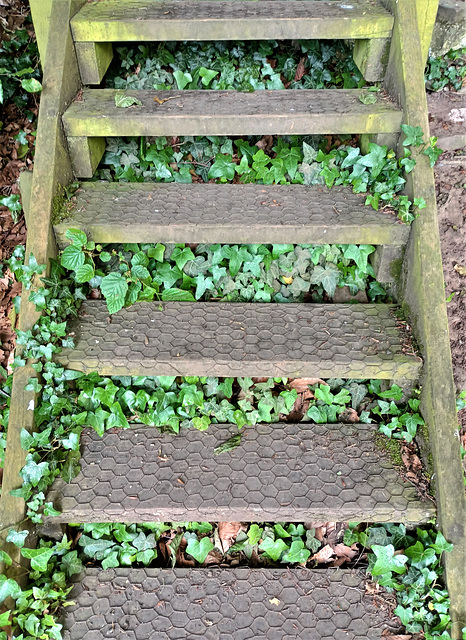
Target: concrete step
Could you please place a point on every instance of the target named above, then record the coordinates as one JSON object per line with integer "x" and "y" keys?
{"x": 240, "y": 339}
{"x": 280, "y": 472}
{"x": 227, "y": 213}
{"x": 223, "y": 604}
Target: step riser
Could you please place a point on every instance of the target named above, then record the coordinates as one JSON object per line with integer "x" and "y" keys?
{"x": 211, "y": 234}
{"x": 280, "y": 472}
{"x": 236, "y": 125}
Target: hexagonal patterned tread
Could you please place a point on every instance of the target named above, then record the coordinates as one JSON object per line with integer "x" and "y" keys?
{"x": 223, "y": 604}
{"x": 231, "y": 113}
{"x": 138, "y": 20}
{"x": 235, "y": 339}
{"x": 211, "y": 213}
{"x": 280, "y": 472}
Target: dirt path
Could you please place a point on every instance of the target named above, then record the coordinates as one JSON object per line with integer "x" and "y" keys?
{"x": 448, "y": 121}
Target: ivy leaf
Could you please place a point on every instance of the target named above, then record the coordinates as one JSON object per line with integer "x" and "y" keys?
{"x": 387, "y": 561}
{"x": 5, "y": 558}
{"x": 222, "y": 168}
{"x": 18, "y": 538}
{"x": 111, "y": 560}
{"x": 207, "y": 75}
{"x": 254, "y": 534}
{"x": 31, "y": 85}
{"x": 72, "y": 441}
{"x": 71, "y": 564}
{"x": 414, "y": 136}
{"x": 182, "y": 79}
{"x": 95, "y": 548}
{"x": 33, "y": 472}
{"x": 39, "y": 558}
{"x": 375, "y": 159}
{"x": 327, "y": 276}
{"x": 50, "y": 511}
{"x": 420, "y": 557}
{"x": 124, "y": 102}
{"x": 199, "y": 549}
{"x": 117, "y": 418}
{"x": 140, "y": 272}
{"x": 441, "y": 544}
{"x": 8, "y": 587}
{"x": 296, "y": 553}
{"x": 368, "y": 98}
{"x": 202, "y": 285}
{"x": 273, "y": 548}
{"x": 5, "y": 619}
{"x": 157, "y": 252}
{"x": 71, "y": 466}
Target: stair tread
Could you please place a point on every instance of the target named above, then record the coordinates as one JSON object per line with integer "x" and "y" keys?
{"x": 138, "y": 20}
{"x": 226, "y": 604}
{"x": 280, "y": 472}
{"x": 238, "y": 213}
{"x": 319, "y": 111}
{"x": 240, "y": 339}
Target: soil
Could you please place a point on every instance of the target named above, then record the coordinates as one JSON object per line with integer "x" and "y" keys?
{"x": 450, "y": 177}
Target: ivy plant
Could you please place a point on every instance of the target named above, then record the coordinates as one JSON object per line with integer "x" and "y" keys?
{"x": 409, "y": 564}
{"x": 447, "y": 71}
{"x": 244, "y": 66}
{"x": 237, "y": 273}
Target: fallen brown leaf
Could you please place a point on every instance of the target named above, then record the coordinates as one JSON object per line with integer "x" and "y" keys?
{"x": 345, "y": 551}
{"x": 302, "y": 384}
{"x": 227, "y": 532}
{"x": 300, "y": 70}
{"x": 349, "y": 415}
{"x": 323, "y": 555}
{"x": 213, "y": 557}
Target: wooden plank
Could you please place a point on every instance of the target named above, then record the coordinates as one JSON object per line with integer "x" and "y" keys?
{"x": 94, "y": 59}
{"x": 138, "y": 20}
{"x": 51, "y": 168}
{"x": 424, "y": 294}
{"x": 230, "y": 113}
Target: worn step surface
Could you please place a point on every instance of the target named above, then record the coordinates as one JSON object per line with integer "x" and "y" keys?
{"x": 280, "y": 472}
{"x": 211, "y": 213}
{"x": 236, "y": 339}
{"x": 223, "y": 604}
{"x": 198, "y": 113}
{"x": 139, "y": 20}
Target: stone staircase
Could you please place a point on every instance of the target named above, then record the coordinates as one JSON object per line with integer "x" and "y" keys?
{"x": 281, "y": 472}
